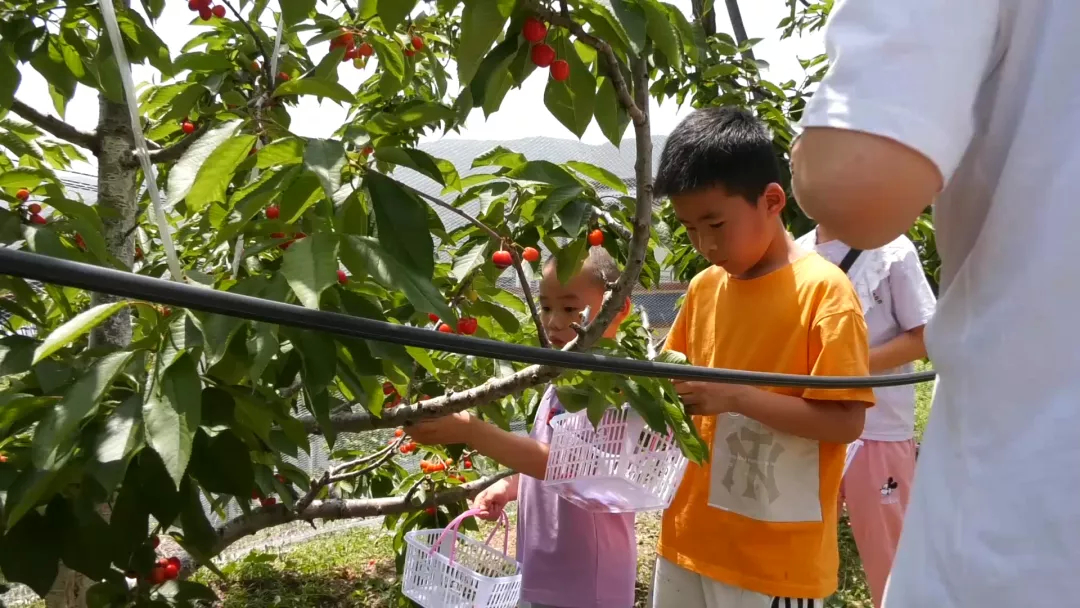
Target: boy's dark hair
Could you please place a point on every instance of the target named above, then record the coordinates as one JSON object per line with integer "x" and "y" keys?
{"x": 598, "y": 265}
{"x": 724, "y": 146}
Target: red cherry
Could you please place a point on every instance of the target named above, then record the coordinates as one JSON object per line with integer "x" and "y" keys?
{"x": 3, "y": 458}
{"x": 34, "y": 208}
{"x": 467, "y": 326}
{"x": 37, "y": 219}
{"x": 138, "y": 252}
{"x": 434, "y": 318}
{"x": 193, "y": 5}
{"x": 206, "y": 14}
{"x": 543, "y": 55}
{"x": 22, "y": 194}
{"x": 530, "y": 255}
{"x": 172, "y": 572}
{"x": 219, "y": 11}
{"x": 272, "y": 213}
{"x": 560, "y": 70}
{"x": 286, "y": 244}
{"x": 187, "y": 127}
{"x": 446, "y": 329}
{"x": 430, "y": 510}
{"x": 365, "y": 50}
{"x": 425, "y": 467}
{"x": 347, "y": 40}
{"x": 349, "y": 54}
{"x": 409, "y": 52}
{"x": 399, "y": 432}
{"x": 166, "y": 312}
{"x": 80, "y": 242}
{"x": 596, "y": 238}
{"x": 534, "y": 30}
{"x": 417, "y": 42}
{"x": 466, "y": 463}
{"x": 342, "y": 278}
{"x": 282, "y": 76}
{"x": 175, "y": 561}
{"x": 158, "y": 575}
{"x": 388, "y": 388}
{"x": 280, "y": 477}
{"x": 367, "y": 151}
{"x": 254, "y": 66}
{"x": 502, "y": 259}
{"x": 155, "y": 542}
{"x": 268, "y": 502}
{"x": 255, "y": 494}
{"x": 300, "y": 235}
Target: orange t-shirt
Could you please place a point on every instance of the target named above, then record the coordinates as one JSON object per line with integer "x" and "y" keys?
{"x": 761, "y": 514}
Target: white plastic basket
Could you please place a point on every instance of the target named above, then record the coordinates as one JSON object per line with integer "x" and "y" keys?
{"x": 461, "y": 573}
{"x": 620, "y": 466}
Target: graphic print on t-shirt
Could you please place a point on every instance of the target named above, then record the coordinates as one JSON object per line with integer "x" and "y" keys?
{"x": 763, "y": 474}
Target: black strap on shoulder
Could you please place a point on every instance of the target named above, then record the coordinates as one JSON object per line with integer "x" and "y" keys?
{"x": 849, "y": 259}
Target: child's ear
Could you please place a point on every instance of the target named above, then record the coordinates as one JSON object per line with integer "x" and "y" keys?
{"x": 774, "y": 198}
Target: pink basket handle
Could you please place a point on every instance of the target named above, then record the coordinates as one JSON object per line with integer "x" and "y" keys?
{"x": 453, "y": 526}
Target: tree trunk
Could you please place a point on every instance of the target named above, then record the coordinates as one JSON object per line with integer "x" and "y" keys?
{"x": 116, "y": 192}
{"x": 735, "y": 15}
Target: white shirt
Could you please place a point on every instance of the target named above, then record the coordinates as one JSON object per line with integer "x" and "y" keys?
{"x": 896, "y": 298}
{"x": 988, "y": 90}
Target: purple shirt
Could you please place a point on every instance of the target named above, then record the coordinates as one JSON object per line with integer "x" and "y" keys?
{"x": 570, "y": 557}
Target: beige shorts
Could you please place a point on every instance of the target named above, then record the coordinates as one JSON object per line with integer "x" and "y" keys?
{"x": 676, "y": 587}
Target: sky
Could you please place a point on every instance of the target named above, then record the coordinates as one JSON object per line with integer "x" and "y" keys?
{"x": 522, "y": 114}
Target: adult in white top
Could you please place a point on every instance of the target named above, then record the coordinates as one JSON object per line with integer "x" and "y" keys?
{"x": 976, "y": 103}
{"x": 897, "y": 302}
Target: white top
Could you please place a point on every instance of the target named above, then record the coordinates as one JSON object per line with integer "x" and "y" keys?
{"x": 896, "y": 298}
{"x": 989, "y": 90}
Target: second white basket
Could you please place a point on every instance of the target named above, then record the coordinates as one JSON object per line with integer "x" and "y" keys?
{"x": 620, "y": 466}
{"x": 444, "y": 569}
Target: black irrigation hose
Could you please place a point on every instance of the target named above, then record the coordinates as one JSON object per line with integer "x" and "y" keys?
{"x": 125, "y": 284}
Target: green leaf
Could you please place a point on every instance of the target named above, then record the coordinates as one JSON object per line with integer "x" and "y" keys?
{"x": 302, "y": 193}
{"x": 671, "y": 356}
{"x": 402, "y": 220}
{"x": 311, "y": 267}
{"x": 546, "y": 172}
{"x": 318, "y": 404}
{"x": 499, "y": 157}
{"x": 386, "y": 270}
{"x": 172, "y": 414}
{"x": 568, "y": 260}
{"x": 422, "y": 357}
{"x": 182, "y": 175}
{"x": 200, "y": 61}
{"x": 598, "y": 174}
{"x": 30, "y": 553}
{"x": 216, "y": 173}
{"x": 720, "y": 69}
{"x": 325, "y": 158}
{"x": 572, "y": 100}
{"x": 610, "y": 115}
{"x": 393, "y": 12}
{"x": 505, "y": 318}
{"x": 421, "y": 162}
{"x": 391, "y": 59}
{"x": 662, "y": 31}
{"x": 467, "y": 261}
{"x": 408, "y": 117}
{"x": 117, "y": 443}
{"x": 482, "y": 22}
{"x": 295, "y": 11}
{"x": 57, "y": 432}
{"x": 73, "y": 329}
{"x": 632, "y": 19}
{"x": 18, "y": 410}
{"x": 320, "y": 87}
{"x": 199, "y": 535}
{"x": 87, "y": 545}
{"x": 9, "y": 80}
{"x": 222, "y": 464}
{"x": 574, "y": 216}
{"x": 288, "y": 151}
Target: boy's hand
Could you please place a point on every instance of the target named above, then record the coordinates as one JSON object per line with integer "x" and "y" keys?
{"x": 709, "y": 398}
{"x": 442, "y": 431}
{"x": 491, "y": 502}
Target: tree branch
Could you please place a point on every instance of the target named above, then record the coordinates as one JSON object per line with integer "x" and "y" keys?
{"x": 636, "y": 110}
{"x": 541, "y": 334}
{"x": 57, "y": 127}
{"x": 258, "y": 42}
{"x": 267, "y": 517}
{"x": 170, "y": 153}
{"x": 735, "y": 16}
{"x": 445, "y": 205}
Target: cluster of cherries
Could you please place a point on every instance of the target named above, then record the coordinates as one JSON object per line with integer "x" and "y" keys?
{"x": 206, "y": 9}
{"x": 542, "y": 54}
{"x": 165, "y": 569}
{"x": 33, "y": 208}
{"x": 267, "y": 501}
{"x": 504, "y": 259}
{"x": 466, "y": 326}
{"x": 347, "y": 41}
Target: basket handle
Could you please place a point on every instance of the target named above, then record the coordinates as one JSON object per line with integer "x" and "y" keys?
{"x": 453, "y": 526}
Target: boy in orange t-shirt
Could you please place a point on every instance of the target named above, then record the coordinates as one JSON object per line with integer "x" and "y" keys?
{"x": 755, "y": 527}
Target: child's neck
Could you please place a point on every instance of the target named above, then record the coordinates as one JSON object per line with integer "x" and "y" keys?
{"x": 781, "y": 252}
{"x": 823, "y": 236}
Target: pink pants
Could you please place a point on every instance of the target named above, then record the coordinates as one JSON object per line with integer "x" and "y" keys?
{"x": 877, "y": 488}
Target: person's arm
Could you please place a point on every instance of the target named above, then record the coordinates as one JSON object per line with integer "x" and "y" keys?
{"x": 831, "y": 421}
{"x": 901, "y": 350}
{"x": 518, "y": 452}
{"x": 892, "y": 118}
